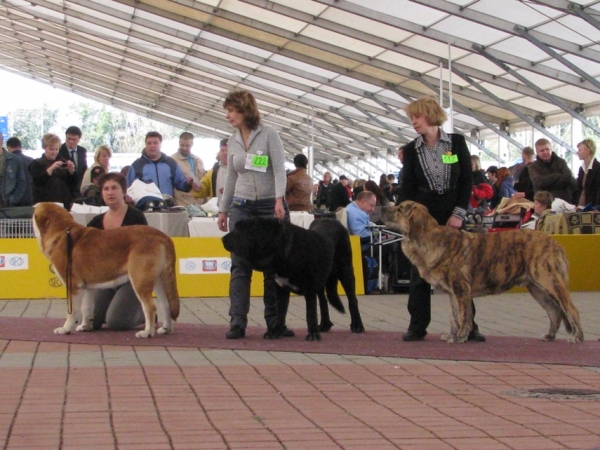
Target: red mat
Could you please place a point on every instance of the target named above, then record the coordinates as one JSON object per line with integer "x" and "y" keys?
{"x": 341, "y": 342}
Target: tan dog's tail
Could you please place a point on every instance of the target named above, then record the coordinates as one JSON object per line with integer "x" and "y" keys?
{"x": 169, "y": 282}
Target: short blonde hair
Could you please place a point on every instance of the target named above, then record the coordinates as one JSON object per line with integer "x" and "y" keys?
{"x": 429, "y": 108}
{"x": 475, "y": 160}
{"x": 50, "y": 138}
{"x": 99, "y": 150}
{"x": 591, "y": 145}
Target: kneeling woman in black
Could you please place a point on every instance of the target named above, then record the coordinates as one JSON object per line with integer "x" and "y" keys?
{"x": 118, "y": 307}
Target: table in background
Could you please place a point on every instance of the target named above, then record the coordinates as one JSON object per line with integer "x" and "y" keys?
{"x": 207, "y": 226}
{"x": 174, "y": 224}
{"x": 204, "y": 227}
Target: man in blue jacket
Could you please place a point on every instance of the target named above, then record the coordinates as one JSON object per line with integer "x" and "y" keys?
{"x": 13, "y": 181}
{"x": 158, "y": 168}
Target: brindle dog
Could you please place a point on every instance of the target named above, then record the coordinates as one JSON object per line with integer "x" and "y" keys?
{"x": 467, "y": 265}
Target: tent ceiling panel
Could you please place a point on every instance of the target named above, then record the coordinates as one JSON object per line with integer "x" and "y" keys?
{"x": 351, "y": 65}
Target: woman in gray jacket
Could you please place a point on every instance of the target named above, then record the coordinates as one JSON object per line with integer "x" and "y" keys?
{"x": 255, "y": 187}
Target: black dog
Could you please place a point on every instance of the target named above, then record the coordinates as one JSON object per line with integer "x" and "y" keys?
{"x": 341, "y": 271}
{"x": 302, "y": 259}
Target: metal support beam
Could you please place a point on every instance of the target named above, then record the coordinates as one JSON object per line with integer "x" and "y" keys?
{"x": 508, "y": 106}
{"x": 541, "y": 45}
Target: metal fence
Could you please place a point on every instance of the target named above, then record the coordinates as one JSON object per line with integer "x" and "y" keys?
{"x": 16, "y": 228}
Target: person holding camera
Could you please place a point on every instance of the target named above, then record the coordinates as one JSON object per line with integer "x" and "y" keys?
{"x": 53, "y": 178}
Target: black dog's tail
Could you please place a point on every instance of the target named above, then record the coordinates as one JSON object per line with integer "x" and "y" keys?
{"x": 332, "y": 298}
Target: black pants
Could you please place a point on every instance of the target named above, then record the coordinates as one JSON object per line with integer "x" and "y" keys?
{"x": 419, "y": 304}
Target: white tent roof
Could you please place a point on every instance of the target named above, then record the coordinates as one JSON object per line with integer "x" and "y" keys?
{"x": 340, "y": 71}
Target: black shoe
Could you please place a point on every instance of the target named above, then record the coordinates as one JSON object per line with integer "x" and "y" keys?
{"x": 411, "y": 336}
{"x": 287, "y": 332}
{"x": 476, "y": 336}
{"x": 236, "y": 332}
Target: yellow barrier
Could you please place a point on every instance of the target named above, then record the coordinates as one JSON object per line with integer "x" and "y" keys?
{"x": 202, "y": 270}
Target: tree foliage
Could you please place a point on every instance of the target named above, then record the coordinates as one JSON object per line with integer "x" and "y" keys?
{"x": 26, "y": 125}
{"x": 123, "y": 132}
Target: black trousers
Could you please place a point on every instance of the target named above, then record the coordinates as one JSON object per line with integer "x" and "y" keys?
{"x": 419, "y": 304}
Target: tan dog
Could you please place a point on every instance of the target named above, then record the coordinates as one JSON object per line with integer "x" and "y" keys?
{"x": 467, "y": 265}
{"x": 106, "y": 259}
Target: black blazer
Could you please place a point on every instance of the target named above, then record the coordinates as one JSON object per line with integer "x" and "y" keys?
{"x": 81, "y": 164}
{"x": 592, "y": 184}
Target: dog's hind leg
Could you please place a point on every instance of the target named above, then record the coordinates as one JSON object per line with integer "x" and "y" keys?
{"x": 312, "y": 320}
{"x": 554, "y": 297}
{"x": 142, "y": 283}
{"x": 326, "y": 323}
{"x": 164, "y": 311}
{"x": 349, "y": 284}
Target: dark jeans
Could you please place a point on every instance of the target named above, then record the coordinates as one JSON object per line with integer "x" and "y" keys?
{"x": 241, "y": 273}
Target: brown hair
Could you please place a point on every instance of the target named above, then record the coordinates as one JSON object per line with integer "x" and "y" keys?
{"x": 429, "y": 108}
{"x": 244, "y": 103}
{"x": 113, "y": 176}
{"x": 503, "y": 172}
{"x": 544, "y": 198}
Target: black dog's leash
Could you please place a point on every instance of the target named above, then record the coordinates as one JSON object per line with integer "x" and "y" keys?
{"x": 69, "y": 270}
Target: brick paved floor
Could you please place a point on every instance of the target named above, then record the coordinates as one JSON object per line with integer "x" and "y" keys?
{"x": 71, "y": 396}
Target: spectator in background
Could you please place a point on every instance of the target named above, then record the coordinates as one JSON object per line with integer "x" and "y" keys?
{"x": 481, "y": 191}
{"x": 492, "y": 175}
{"x": 396, "y": 190}
{"x": 71, "y": 150}
{"x": 191, "y": 166}
{"x": 158, "y": 168}
{"x": 13, "y": 145}
{"x": 542, "y": 207}
{"x": 382, "y": 200}
{"x": 325, "y": 185}
{"x": 53, "y": 178}
{"x": 588, "y": 178}
{"x": 13, "y": 181}
{"x": 338, "y": 195}
{"x": 358, "y": 217}
{"x": 213, "y": 182}
{"x": 520, "y": 174}
{"x": 102, "y": 157}
{"x": 299, "y": 185}
{"x": 504, "y": 186}
{"x": 527, "y": 158}
{"x": 357, "y": 187}
{"x": 549, "y": 172}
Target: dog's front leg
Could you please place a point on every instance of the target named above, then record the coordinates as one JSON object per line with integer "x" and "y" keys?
{"x": 311, "y": 317}
{"x": 72, "y": 316}
{"x": 461, "y": 319}
{"x": 87, "y": 311}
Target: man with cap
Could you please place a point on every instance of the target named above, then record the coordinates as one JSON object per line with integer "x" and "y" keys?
{"x": 338, "y": 195}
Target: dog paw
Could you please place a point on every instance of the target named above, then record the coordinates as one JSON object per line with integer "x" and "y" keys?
{"x": 547, "y": 337}
{"x": 357, "y": 328}
{"x": 144, "y": 334}
{"x": 84, "y": 327}
{"x": 313, "y": 336}
{"x": 163, "y": 330}
{"x": 445, "y": 337}
{"x": 61, "y": 330}
{"x": 325, "y": 327}
{"x": 575, "y": 340}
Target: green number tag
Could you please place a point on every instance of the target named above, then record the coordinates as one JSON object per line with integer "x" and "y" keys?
{"x": 449, "y": 159}
{"x": 260, "y": 161}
